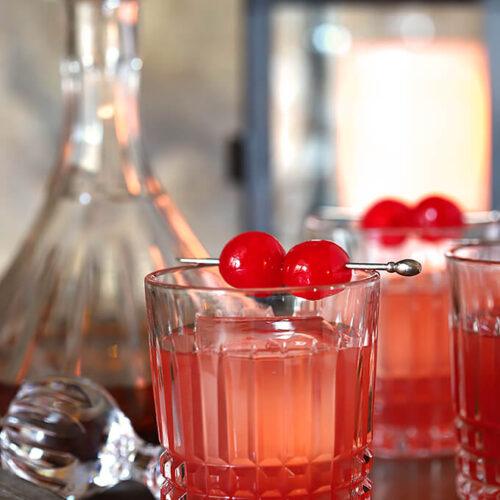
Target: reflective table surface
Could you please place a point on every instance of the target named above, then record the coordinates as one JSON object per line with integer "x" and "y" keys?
{"x": 393, "y": 480}
{"x": 414, "y": 479}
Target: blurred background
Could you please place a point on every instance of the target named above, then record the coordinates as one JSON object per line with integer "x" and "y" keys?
{"x": 190, "y": 108}
{"x": 256, "y": 113}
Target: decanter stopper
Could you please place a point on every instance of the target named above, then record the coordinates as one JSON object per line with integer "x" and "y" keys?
{"x": 68, "y": 435}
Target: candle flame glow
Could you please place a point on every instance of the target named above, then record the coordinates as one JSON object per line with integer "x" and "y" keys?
{"x": 413, "y": 119}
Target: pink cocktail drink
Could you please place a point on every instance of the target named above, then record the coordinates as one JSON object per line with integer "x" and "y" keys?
{"x": 413, "y": 400}
{"x": 477, "y": 382}
{"x": 264, "y": 416}
{"x": 475, "y": 274}
{"x": 268, "y": 406}
{"x": 413, "y": 403}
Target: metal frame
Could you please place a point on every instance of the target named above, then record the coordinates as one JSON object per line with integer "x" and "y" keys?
{"x": 256, "y": 140}
{"x": 256, "y": 162}
{"x": 492, "y": 9}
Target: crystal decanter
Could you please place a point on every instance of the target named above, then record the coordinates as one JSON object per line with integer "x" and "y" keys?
{"x": 72, "y": 301}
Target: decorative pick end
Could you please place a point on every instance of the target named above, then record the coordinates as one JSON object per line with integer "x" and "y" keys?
{"x": 405, "y": 267}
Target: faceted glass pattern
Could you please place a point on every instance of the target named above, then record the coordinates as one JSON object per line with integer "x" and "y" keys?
{"x": 263, "y": 394}
{"x": 475, "y": 285}
{"x": 413, "y": 403}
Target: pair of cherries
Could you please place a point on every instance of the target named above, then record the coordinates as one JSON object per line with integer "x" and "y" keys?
{"x": 430, "y": 215}
{"x": 258, "y": 260}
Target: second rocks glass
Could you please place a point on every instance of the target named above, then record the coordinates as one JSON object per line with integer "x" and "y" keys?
{"x": 413, "y": 403}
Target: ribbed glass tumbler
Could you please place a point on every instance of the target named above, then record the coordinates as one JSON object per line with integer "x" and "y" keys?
{"x": 475, "y": 285}
{"x": 263, "y": 393}
{"x": 413, "y": 403}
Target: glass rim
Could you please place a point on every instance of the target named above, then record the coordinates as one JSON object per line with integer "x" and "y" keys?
{"x": 453, "y": 257}
{"x": 152, "y": 280}
{"x": 346, "y": 219}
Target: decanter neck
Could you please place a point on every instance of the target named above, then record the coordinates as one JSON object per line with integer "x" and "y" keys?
{"x": 102, "y": 149}
{"x": 102, "y": 33}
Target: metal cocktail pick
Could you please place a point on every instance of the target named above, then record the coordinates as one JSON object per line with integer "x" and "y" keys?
{"x": 68, "y": 435}
{"x": 405, "y": 267}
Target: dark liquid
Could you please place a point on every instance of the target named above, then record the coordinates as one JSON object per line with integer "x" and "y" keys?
{"x": 7, "y": 392}
{"x": 136, "y": 403}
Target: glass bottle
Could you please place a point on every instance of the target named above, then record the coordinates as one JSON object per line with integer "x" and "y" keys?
{"x": 72, "y": 301}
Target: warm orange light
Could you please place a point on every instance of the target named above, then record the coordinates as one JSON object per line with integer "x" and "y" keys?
{"x": 106, "y": 111}
{"x": 128, "y": 12}
{"x": 187, "y": 242}
{"x": 413, "y": 119}
{"x": 132, "y": 181}
{"x": 156, "y": 257}
{"x": 127, "y": 115}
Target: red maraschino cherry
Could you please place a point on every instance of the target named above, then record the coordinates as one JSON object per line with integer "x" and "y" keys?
{"x": 388, "y": 213}
{"x": 252, "y": 260}
{"x": 436, "y": 211}
{"x": 316, "y": 263}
